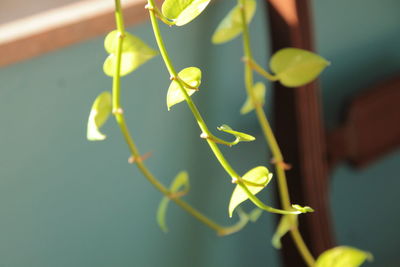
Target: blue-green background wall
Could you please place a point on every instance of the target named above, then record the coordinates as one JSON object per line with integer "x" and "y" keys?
{"x": 65, "y": 201}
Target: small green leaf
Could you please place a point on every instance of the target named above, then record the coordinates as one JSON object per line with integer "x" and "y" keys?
{"x": 285, "y": 225}
{"x": 183, "y": 11}
{"x": 302, "y": 209}
{"x": 259, "y": 175}
{"x": 134, "y": 53}
{"x": 296, "y": 67}
{"x": 99, "y": 114}
{"x": 259, "y": 92}
{"x": 343, "y": 256}
{"x": 242, "y": 137}
{"x": 181, "y": 180}
{"x": 231, "y": 26}
{"x": 192, "y": 77}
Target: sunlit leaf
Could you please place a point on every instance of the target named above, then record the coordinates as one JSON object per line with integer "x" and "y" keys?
{"x": 343, "y": 256}
{"x": 258, "y": 175}
{"x": 296, "y": 67}
{"x": 259, "y": 92}
{"x": 242, "y": 137}
{"x": 180, "y": 181}
{"x": 192, "y": 77}
{"x": 99, "y": 114}
{"x": 286, "y": 223}
{"x": 183, "y": 11}
{"x": 302, "y": 209}
{"x": 134, "y": 53}
{"x": 231, "y": 26}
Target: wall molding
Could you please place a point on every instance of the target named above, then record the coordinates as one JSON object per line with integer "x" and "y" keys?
{"x": 60, "y": 27}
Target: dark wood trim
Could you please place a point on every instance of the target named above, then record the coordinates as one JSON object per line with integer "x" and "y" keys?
{"x": 57, "y": 28}
{"x": 371, "y": 127}
{"x": 300, "y": 132}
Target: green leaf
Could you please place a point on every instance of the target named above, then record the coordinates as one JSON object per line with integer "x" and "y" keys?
{"x": 242, "y": 137}
{"x": 99, "y": 114}
{"x": 259, "y": 92}
{"x": 192, "y": 77}
{"x": 302, "y": 209}
{"x": 296, "y": 67}
{"x": 183, "y": 11}
{"x": 134, "y": 53}
{"x": 231, "y": 26}
{"x": 285, "y": 225}
{"x": 181, "y": 180}
{"x": 343, "y": 256}
{"x": 259, "y": 175}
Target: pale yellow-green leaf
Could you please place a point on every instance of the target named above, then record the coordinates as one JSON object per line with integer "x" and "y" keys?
{"x": 302, "y": 209}
{"x": 258, "y": 175}
{"x": 231, "y": 26}
{"x": 286, "y": 223}
{"x": 180, "y": 181}
{"x": 99, "y": 114}
{"x": 192, "y": 77}
{"x": 134, "y": 53}
{"x": 242, "y": 137}
{"x": 259, "y": 92}
{"x": 183, "y": 11}
{"x": 343, "y": 256}
{"x": 296, "y": 67}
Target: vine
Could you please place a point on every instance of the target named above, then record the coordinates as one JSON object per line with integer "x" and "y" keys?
{"x": 292, "y": 67}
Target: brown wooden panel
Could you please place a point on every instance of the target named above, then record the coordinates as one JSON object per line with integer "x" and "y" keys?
{"x": 300, "y": 132}
{"x": 371, "y": 127}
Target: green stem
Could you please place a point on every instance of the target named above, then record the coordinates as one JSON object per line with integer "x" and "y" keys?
{"x": 271, "y": 140}
{"x": 260, "y": 70}
{"x": 120, "y": 118}
{"x": 200, "y": 121}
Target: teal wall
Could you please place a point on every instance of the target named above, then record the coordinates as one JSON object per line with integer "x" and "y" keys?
{"x": 65, "y": 201}
{"x": 362, "y": 39}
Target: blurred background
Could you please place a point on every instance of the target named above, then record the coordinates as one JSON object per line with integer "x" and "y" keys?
{"x": 65, "y": 201}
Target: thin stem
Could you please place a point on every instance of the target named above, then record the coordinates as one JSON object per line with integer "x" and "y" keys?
{"x": 271, "y": 140}
{"x": 260, "y": 70}
{"x": 120, "y": 118}
{"x": 200, "y": 121}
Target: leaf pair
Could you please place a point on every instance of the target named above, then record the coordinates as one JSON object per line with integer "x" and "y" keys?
{"x": 258, "y": 175}
{"x": 182, "y": 12}
{"x": 134, "y": 53}
{"x": 180, "y": 181}
{"x": 189, "y": 77}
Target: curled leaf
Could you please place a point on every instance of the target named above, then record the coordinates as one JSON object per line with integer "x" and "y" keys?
{"x": 343, "y": 256}
{"x": 101, "y": 110}
{"x": 241, "y": 137}
{"x": 134, "y": 53}
{"x": 258, "y": 175}
{"x": 302, "y": 209}
{"x": 183, "y": 11}
{"x": 296, "y": 67}
{"x": 231, "y": 26}
{"x": 192, "y": 77}
{"x": 180, "y": 181}
{"x": 286, "y": 223}
{"x": 259, "y": 92}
